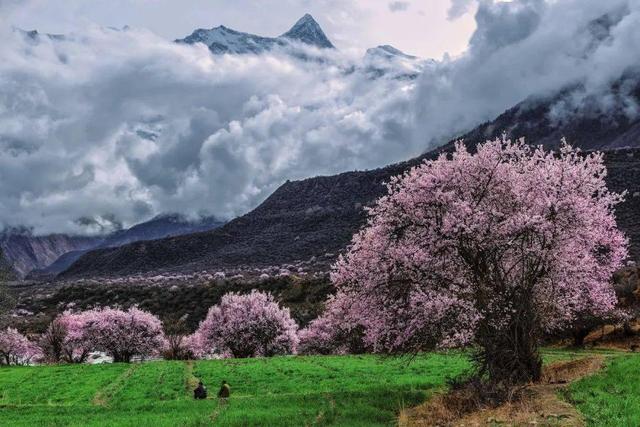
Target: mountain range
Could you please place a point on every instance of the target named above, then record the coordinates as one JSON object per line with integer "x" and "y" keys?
{"x": 316, "y": 217}
{"x": 221, "y": 40}
{"x": 44, "y": 256}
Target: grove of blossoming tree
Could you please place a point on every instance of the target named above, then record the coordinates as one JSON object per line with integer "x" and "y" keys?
{"x": 121, "y": 334}
{"x": 247, "y": 326}
{"x": 490, "y": 249}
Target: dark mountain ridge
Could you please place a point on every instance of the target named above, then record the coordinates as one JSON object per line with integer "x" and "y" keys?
{"x": 42, "y": 256}
{"x": 157, "y": 228}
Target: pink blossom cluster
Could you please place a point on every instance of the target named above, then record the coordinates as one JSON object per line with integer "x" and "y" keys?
{"x": 66, "y": 339}
{"x": 16, "y": 349}
{"x": 121, "y": 334}
{"x": 246, "y": 326}
{"x": 336, "y": 331}
{"x": 470, "y": 241}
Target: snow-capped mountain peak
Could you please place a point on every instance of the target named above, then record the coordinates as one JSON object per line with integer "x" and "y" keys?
{"x": 387, "y": 61}
{"x": 308, "y": 31}
{"x": 388, "y": 51}
{"x": 222, "y": 39}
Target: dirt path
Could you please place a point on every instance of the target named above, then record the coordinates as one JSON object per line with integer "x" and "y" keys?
{"x": 104, "y": 395}
{"x": 190, "y": 381}
{"x": 541, "y": 405}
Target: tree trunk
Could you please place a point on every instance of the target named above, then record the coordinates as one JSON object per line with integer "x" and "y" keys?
{"x": 628, "y": 331}
{"x": 509, "y": 356}
{"x": 578, "y": 337}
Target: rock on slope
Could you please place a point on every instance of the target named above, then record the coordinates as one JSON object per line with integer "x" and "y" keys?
{"x": 25, "y": 252}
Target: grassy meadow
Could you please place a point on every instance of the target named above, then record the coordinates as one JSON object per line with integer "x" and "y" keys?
{"x": 280, "y": 391}
{"x": 610, "y": 398}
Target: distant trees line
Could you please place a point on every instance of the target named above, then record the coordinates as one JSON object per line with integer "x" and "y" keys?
{"x": 249, "y": 325}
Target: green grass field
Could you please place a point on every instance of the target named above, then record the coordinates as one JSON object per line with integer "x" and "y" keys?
{"x": 281, "y": 391}
{"x": 612, "y": 396}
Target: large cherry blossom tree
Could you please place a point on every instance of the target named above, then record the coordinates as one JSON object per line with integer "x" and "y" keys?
{"x": 491, "y": 248}
{"x": 247, "y": 326}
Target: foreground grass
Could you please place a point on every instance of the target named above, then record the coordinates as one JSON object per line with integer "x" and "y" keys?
{"x": 282, "y": 391}
{"x": 611, "y": 397}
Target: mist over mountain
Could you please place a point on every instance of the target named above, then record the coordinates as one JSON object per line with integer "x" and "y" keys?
{"x": 310, "y": 218}
{"x": 155, "y": 126}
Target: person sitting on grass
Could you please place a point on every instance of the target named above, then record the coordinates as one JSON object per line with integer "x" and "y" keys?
{"x": 200, "y": 392}
{"x": 225, "y": 390}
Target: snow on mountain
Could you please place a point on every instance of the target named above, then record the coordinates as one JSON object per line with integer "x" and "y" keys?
{"x": 308, "y": 31}
{"x": 221, "y": 39}
{"x": 382, "y": 61}
{"x": 390, "y": 62}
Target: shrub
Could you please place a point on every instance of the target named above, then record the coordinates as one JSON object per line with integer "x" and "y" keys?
{"x": 178, "y": 344}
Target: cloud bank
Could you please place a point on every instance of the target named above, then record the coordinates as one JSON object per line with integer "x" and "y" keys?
{"x": 113, "y": 127}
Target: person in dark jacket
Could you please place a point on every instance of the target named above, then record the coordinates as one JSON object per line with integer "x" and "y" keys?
{"x": 200, "y": 392}
{"x": 225, "y": 391}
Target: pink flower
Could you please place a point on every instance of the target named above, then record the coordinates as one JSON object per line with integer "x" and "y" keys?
{"x": 16, "y": 349}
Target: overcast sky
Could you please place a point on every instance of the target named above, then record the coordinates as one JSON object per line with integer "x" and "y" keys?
{"x": 419, "y": 27}
{"x": 105, "y": 127}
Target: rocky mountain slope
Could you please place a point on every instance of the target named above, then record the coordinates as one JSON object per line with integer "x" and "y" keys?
{"x": 25, "y": 252}
{"x": 157, "y": 228}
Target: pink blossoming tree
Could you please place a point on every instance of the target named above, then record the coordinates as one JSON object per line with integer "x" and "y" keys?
{"x": 122, "y": 334}
{"x": 16, "y": 349}
{"x": 491, "y": 249}
{"x": 247, "y": 326}
{"x": 336, "y": 331}
{"x": 65, "y": 339}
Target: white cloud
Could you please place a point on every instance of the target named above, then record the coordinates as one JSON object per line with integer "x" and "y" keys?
{"x": 399, "y": 6}
{"x": 125, "y": 124}
{"x": 121, "y": 125}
